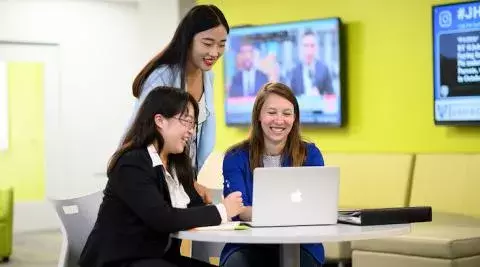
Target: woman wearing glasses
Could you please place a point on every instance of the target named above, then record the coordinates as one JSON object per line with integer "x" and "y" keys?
{"x": 186, "y": 62}
{"x": 150, "y": 192}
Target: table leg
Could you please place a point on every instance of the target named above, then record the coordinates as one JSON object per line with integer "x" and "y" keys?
{"x": 290, "y": 255}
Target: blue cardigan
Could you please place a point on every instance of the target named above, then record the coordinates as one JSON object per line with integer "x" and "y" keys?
{"x": 166, "y": 76}
{"x": 238, "y": 177}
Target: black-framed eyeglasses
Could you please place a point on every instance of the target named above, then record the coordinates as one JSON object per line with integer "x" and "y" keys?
{"x": 190, "y": 124}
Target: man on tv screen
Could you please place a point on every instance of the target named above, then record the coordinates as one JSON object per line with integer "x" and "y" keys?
{"x": 248, "y": 80}
{"x": 311, "y": 76}
{"x": 456, "y": 36}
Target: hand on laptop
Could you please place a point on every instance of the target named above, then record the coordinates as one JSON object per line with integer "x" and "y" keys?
{"x": 233, "y": 204}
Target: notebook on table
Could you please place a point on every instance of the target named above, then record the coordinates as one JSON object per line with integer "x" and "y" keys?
{"x": 382, "y": 216}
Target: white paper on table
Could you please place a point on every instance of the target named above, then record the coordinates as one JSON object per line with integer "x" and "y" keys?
{"x": 224, "y": 226}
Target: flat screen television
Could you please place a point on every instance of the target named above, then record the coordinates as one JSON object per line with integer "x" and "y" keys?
{"x": 456, "y": 62}
{"x": 305, "y": 55}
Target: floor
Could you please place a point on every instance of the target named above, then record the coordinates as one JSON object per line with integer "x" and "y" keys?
{"x": 35, "y": 249}
{"x": 41, "y": 249}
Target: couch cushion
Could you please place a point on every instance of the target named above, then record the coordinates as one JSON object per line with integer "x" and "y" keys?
{"x": 442, "y": 238}
{"x": 362, "y": 174}
{"x": 336, "y": 251}
{"x": 5, "y": 243}
{"x": 6, "y": 204}
{"x": 447, "y": 182}
{"x": 376, "y": 259}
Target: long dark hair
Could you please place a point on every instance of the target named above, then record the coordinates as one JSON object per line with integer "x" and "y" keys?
{"x": 200, "y": 18}
{"x": 168, "y": 102}
{"x": 295, "y": 148}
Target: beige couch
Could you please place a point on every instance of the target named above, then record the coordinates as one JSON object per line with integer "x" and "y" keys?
{"x": 392, "y": 172}
{"x": 362, "y": 174}
{"x": 451, "y": 185}
{"x": 448, "y": 183}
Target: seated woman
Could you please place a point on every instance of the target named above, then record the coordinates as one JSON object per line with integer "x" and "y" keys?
{"x": 274, "y": 141}
{"x": 150, "y": 192}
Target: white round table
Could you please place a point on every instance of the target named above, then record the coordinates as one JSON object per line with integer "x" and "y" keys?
{"x": 290, "y": 238}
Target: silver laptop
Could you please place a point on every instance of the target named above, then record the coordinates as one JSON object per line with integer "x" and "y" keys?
{"x": 289, "y": 196}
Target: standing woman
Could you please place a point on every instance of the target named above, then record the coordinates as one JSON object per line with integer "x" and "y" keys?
{"x": 186, "y": 63}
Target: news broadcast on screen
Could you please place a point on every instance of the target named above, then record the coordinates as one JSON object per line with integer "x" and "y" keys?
{"x": 456, "y": 41}
{"x": 305, "y": 55}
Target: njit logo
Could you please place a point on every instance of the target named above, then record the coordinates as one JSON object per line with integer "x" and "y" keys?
{"x": 445, "y": 19}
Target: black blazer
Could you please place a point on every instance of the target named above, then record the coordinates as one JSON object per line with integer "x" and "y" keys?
{"x": 136, "y": 216}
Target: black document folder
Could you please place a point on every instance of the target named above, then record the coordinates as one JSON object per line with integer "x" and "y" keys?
{"x": 385, "y": 216}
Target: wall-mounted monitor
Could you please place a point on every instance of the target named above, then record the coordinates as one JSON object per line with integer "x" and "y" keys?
{"x": 305, "y": 55}
{"x": 456, "y": 62}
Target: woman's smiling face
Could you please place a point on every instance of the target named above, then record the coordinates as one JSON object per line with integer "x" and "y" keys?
{"x": 276, "y": 118}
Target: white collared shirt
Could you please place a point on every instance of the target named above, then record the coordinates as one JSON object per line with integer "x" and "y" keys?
{"x": 202, "y": 117}
{"x": 308, "y": 74}
{"x": 178, "y": 196}
{"x": 248, "y": 77}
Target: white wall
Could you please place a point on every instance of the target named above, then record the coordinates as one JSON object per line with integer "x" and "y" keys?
{"x": 184, "y": 6}
{"x": 102, "y": 46}
{"x": 48, "y": 55}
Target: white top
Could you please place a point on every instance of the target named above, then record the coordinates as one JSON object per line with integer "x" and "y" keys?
{"x": 178, "y": 196}
{"x": 272, "y": 161}
{"x": 248, "y": 80}
{"x": 202, "y": 117}
{"x": 296, "y": 235}
{"x": 308, "y": 75}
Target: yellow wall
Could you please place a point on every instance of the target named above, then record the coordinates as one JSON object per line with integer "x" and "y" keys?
{"x": 389, "y": 54}
{"x": 23, "y": 164}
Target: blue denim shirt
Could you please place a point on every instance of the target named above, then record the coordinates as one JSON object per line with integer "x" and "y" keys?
{"x": 166, "y": 76}
{"x": 239, "y": 177}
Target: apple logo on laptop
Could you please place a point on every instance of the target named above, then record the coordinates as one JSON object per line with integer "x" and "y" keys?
{"x": 296, "y": 196}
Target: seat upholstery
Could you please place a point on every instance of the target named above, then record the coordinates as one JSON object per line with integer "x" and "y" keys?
{"x": 361, "y": 175}
{"x": 373, "y": 259}
{"x": 455, "y": 179}
{"x": 448, "y": 183}
{"x": 6, "y": 222}
{"x": 433, "y": 240}
{"x": 77, "y": 216}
